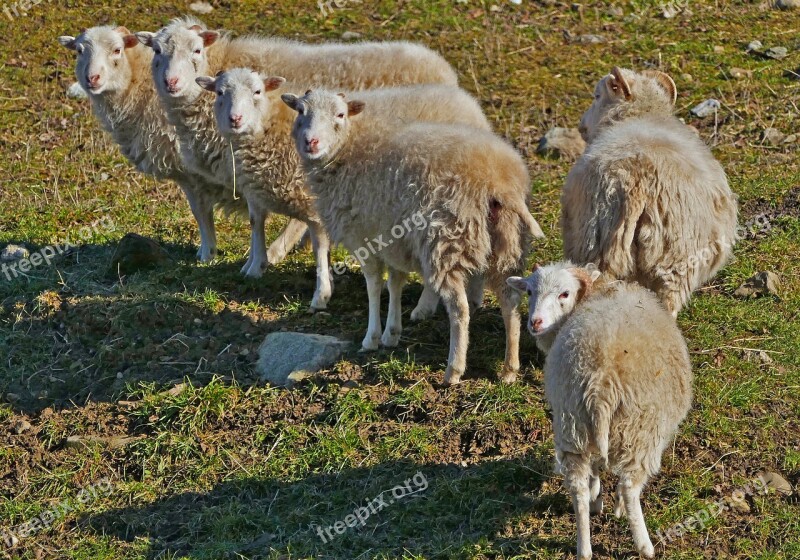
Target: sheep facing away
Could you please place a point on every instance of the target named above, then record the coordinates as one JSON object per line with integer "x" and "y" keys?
{"x": 185, "y": 50}
{"x": 114, "y": 69}
{"x": 619, "y": 383}
{"x": 647, "y": 201}
{"x": 250, "y": 113}
{"x": 466, "y": 191}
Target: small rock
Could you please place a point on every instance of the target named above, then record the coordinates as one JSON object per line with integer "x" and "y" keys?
{"x": 615, "y": 11}
{"x": 760, "y": 284}
{"x": 718, "y": 49}
{"x": 687, "y": 77}
{"x": 740, "y": 73}
{"x": 776, "y": 53}
{"x": 561, "y": 143}
{"x": 706, "y": 108}
{"x": 13, "y": 397}
{"x": 754, "y": 46}
{"x": 21, "y": 426}
{"x": 589, "y": 39}
{"x": 76, "y": 91}
{"x": 284, "y": 358}
{"x": 777, "y": 482}
{"x": 772, "y": 136}
{"x": 201, "y": 7}
{"x": 350, "y": 36}
{"x": 112, "y": 442}
{"x": 669, "y": 11}
{"x": 764, "y": 357}
{"x": 135, "y": 253}
{"x": 104, "y": 177}
{"x": 787, "y": 4}
{"x": 790, "y": 139}
{"x": 14, "y": 253}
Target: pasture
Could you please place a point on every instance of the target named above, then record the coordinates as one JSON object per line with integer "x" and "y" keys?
{"x": 183, "y": 453}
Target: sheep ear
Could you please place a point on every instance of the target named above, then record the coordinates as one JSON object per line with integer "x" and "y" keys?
{"x": 67, "y": 41}
{"x": 196, "y": 27}
{"x": 209, "y": 37}
{"x": 354, "y": 107}
{"x": 206, "y": 82}
{"x": 618, "y": 83}
{"x": 145, "y": 37}
{"x": 594, "y": 275}
{"x": 273, "y": 83}
{"x": 130, "y": 40}
{"x": 666, "y": 82}
{"x": 290, "y": 99}
{"x": 341, "y": 95}
{"x": 517, "y": 283}
{"x": 122, "y": 30}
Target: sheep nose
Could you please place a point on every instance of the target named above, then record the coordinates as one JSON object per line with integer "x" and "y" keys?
{"x": 312, "y": 142}
{"x": 172, "y": 83}
{"x": 92, "y": 79}
{"x": 536, "y": 324}
{"x": 236, "y": 121}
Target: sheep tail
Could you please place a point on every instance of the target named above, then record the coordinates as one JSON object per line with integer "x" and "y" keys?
{"x": 601, "y": 419}
{"x": 513, "y": 228}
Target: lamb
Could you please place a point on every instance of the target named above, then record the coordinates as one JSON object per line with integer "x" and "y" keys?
{"x": 647, "y": 201}
{"x": 114, "y": 69}
{"x": 458, "y": 195}
{"x": 249, "y": 112}
{"x": 185, "y": 50}
{"x": 619, "y": 382}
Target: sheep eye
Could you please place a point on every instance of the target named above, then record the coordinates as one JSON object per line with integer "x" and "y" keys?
{"x": 300, "y": 110}
{"x": 258, "y": 92}
{"x": 197, "y": 51}
{"x": 340, "y": 116}
{"x": 157, "y": 51}
{"x": 530, "y": 292}
{"x": 117, "y": 51}
{"x": 564, "y": 295}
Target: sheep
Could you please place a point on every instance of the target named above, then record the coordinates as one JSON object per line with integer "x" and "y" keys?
{"x": 113, "y": 68}
{"x": 185, "y": 50}
{"x": 458, "y": 196}
{"x": 647, "y": 201}
{"x": 248, "y": 111}
{"x": 619, "y": 382}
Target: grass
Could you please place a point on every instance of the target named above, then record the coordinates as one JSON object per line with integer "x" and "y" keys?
{"x": 220, "y": 466}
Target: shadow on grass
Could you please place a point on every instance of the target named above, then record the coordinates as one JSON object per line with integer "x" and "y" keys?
{"x": 73, "y": 333}
{"x": 458, "y": 510}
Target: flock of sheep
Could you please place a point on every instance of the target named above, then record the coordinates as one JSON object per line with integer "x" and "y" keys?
{"x": 647, "y": 214}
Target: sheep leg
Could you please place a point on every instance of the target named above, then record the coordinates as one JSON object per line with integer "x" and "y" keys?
{"x": 203, "y": 212}
{"x": 596, "y": 505}
{"x": 287, "y": 240}
{"x": 428, "y": 302}
{"x": 631, "y": 489}
{"x": 509, "y": 305}
{"x": 373, "y": 273}
{"x": 457, "y": 306}
{"x": 475, "y": 292}
{"x": 394, "y": 320}
{"x": 577, "y": 472}
{"x": 257, "y": 261}
{"x": 321, "y": 244}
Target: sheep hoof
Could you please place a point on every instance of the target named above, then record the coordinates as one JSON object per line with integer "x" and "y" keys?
{"x": 508, "y": 376}
{"x": 390, "y": 339}
{"x": 647, "y": 550}
{"x": 422, "y": 313}
{"x": 206, "y": 255}
{"x": 254, "y": 272}
{"x": 619, "y": 509}
{"x": 319, "y": 303}
{"x": 452, "y": 377}
{"x": 370, "y": 343}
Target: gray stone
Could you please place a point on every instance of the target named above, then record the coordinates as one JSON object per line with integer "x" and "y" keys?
{"x": 740, "y": 73}
{"x": 706, "y": 108}
{"x": 777, "y": 53}
{"x": 760, "y": 284}
{"x": 350, "y": 35}
{"x": 14, "y": 253}
{"x": 135, "y": 253}
{"x": 561, "y": 143}
{"x": 755, "y": 45}
{"x": 772, "y": 136}
{"x": 76, "y": 91}
{"x": 284, "y": 358}
{"x": 776, "y": 482}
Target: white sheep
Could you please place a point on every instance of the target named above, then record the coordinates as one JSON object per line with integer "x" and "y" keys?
{"x": 249, "y": 112}
{"x": 114, "y": 69}
{"x": 619, "y": 382}
{"x": 647, "y": 201}
{"x": 457, "y": 196}
{"x": 185, "y": 50}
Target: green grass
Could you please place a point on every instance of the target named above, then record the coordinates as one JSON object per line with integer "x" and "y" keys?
{"x": 230, "y": 468}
